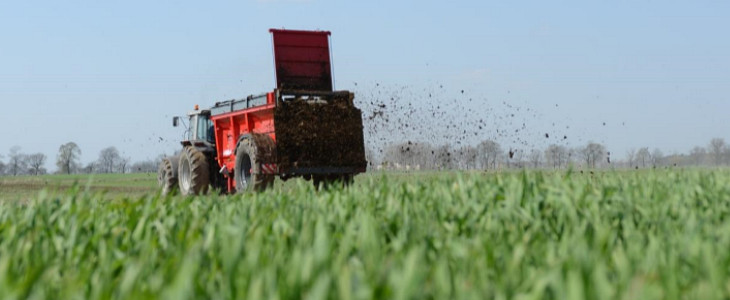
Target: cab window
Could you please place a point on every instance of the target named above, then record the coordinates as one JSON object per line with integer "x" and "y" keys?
{"x": 205, "y": 129}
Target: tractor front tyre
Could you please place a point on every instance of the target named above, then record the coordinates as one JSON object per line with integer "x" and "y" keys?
{"x": 193, "y": 172}
{"x": 250, "y": 154}
{"x": 167, "y": 176}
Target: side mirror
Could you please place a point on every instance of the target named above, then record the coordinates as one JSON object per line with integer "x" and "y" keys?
{"x": 175, "y": 121}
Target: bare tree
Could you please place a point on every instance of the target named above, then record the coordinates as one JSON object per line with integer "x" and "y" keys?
{"x": 573, "y": 155}
{"x": 468, "y": 156}
{"x": 643, "y": 156}
{"x": 534, "y": 157}
{"x": 443, "y": 158}
{"x": 657, "y": 157}
{"x": 631, "y": 157}
{"x": 35, "y": 163}
{"x": 593, "y": 153}
{"x": 698, "y": 155}
{"x": 556, "y": 155}
{"x": 67, "y": 159}
{"x": 488, "y": 152}
{"x": 122, "y": 164}
{"x": 89, "y": 168}
{"x": 108, "y": 159}
{"x": 147, "y": 166}
{"x": 717, "y": 150}
{"x": 16, "y": 161}
{"x": 410, "y": 155}
{"x": 2, "y": 166}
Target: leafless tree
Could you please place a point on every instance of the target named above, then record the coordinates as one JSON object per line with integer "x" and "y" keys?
{"x": 571, "y": 156}
{"x": 147, "y": 166}
{"x": 443, "y": 158}
{"x": 643, "y": 156}
{"x": 593, "y": 153}
{"x": 2, "y": 166}
{"x": 717, "y": 150}
{"x": 657, "y": 157}
{"x": 468, "y": 157}
{"x": 108, "y": 159}
{"x": 413, "y": 155}
{"x": 17, "y": 163}
{"x": 488, "y": 152}
{"x": 122, "y": 164}
{"x": 556, "y": 156}
{"x": 534, "y": 157}
{"x": 698, "y": 155}
{"x": 631, "y": 157}
{"x": 89, "y": 168}
{"x": 67, "y": 159}
{"x": 35, "y": 163}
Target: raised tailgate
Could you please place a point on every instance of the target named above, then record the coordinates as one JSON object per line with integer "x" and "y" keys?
{"x": 302, "y": 59}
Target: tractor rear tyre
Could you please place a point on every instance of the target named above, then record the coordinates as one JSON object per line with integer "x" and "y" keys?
{"x": 253, "y": 150}
{"x": 193, "y": 172}
{"x": 167, "y": 175}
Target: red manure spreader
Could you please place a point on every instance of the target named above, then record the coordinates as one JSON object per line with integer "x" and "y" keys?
{"x": 303, "y": 128}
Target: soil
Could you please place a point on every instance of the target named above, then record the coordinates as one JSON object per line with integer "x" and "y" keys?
{"x": 317, "y": 134}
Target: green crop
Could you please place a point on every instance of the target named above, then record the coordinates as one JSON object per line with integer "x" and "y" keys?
{"x": 524, "y": 235}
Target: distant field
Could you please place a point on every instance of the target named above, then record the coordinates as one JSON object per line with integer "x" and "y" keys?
{"x": 647, "y": 234}
{"x": 119, "y": 185}
{"x": 28, "y": 187}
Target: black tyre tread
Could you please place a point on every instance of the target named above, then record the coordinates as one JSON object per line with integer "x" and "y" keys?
{"x": 199, "y": 171}
{"x": 262, "y": 149}
{"x": 166, "y": 178}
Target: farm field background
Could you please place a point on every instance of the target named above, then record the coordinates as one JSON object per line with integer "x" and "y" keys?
{"x": 648, "y": 234}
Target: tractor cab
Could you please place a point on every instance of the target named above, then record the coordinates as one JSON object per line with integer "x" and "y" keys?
{"x": 200, "y": 131}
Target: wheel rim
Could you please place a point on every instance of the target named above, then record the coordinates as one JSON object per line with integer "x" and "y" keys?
{"x": 244, "y": 172}
{"x": 185, "y": 176}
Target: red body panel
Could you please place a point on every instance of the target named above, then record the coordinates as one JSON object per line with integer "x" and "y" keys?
{"x": 229, "y": 127}
{"x": 302, "y": 60}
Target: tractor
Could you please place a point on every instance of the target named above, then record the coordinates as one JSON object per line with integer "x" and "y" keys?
{"x": 303, "y": 128}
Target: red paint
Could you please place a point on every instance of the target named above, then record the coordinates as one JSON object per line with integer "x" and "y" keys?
{"x": 302, "y": 59}
{"x": 229, "y": 128}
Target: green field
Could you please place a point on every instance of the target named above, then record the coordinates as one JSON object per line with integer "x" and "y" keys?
{"x": 661, "y": 234}
{"x": 112, "y": 185}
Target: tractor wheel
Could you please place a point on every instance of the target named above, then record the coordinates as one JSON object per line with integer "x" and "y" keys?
{"x": 167, "y": 175}
{"x": 193, "y": 172}
{"x": 252, "y": 151}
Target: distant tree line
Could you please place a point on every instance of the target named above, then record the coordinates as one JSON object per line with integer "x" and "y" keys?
{"x": 408, "y": 155}
{"x": 490, "y": 155}
{"x": 19, "y": 163}
{"x": 68, "y": 161}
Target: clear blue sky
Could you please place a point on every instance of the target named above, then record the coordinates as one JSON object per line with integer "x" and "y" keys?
{"x": 113, "y": 73}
